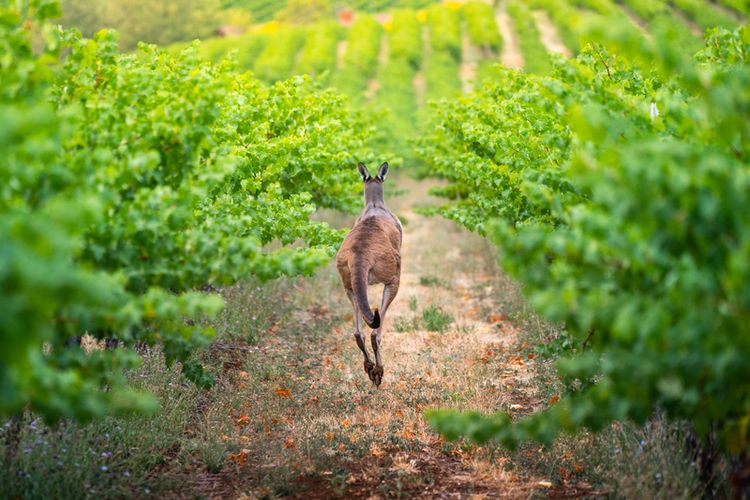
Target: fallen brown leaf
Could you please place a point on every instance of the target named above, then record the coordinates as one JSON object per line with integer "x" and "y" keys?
{"x": 517, "y": 361}
{"x": 240, "y": 457}
{"x": 283, "y": 392}
{"x": 496, "y": 318}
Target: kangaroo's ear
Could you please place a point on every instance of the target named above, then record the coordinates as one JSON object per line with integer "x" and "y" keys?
{"x": 383, "y": 171}
{"x": 363, "y": 171}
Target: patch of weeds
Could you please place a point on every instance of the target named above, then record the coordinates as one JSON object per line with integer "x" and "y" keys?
{"x": 426, "y": 209}
{"x": 413, "y": 303}
{"x": 265, "y": 372}
{"x": 110, "y": 458}
{"x": 435, "y": 319}
{"x": 403, "y": 324}
{"x": 283, "y": 484}
{"x": 213, "y": 455}
{"x": 275, "y": 481}
{"x": 466, "y": 328}
{"x": 254, "y": 310}
{"x": 628, "y": 461}
{"x": 338, "y": 483}
{"x": 456, "y": 397}
{"x": 430, "y": 281}
{"x": 403, "y": 478}
{"x": 248, "y": 312}
{"x": 563, "y": 344}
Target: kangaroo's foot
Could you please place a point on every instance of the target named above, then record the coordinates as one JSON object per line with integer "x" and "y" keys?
{"x": 369, "y": 365}
{"x": 376, "y": 374}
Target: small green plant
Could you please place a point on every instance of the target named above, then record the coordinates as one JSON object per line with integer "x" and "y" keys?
{"x": 338, "y": 483}
{"x": 213, "y": 454}
{"x": 413, "y": 303}
{"x": 436, "y": 320}
{"x": 466, "y": 328}
{"x": 429, "y": 281}
{"x": 403, "y": 324}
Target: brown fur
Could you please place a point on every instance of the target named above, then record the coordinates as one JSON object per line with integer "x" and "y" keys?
{"x": 371, "y": 254}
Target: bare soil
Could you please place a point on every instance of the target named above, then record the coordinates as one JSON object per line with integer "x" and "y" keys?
{"x": 420, "y": 85}
{"x": 548, "y": 32}
{"x": 694, "y": 28}
{"x": 636, "y": 20}
{"x": 470, "y": 56}
{"x": 373, "y": 85}
{"x": 341, "y": 53}
{"x": 731, "y": 13}
{"x": 510, "y": 56}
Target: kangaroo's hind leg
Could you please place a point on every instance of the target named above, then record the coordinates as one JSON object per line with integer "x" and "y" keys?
{"x": 359, "y": 336}
{"x": 389, "y": 293}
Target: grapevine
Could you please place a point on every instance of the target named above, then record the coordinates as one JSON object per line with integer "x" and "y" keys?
{"x": 631, "y": 230}
{"x": 134, "y": 180}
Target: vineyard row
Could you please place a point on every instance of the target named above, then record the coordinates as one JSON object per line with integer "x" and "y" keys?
{"x": 435, "y": 41}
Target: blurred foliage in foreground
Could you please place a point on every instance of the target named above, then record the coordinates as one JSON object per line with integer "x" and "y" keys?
{"x": 130, "y": 181}
{"x": 621, "y": 199}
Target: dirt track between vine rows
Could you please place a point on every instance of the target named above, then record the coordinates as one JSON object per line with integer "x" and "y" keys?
{"x": 314, "y": 426}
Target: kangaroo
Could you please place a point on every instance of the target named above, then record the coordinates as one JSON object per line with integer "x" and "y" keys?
{"x": 371, "y": 254}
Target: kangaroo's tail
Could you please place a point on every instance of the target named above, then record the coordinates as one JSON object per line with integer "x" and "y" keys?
{"x": 359, "y": 283}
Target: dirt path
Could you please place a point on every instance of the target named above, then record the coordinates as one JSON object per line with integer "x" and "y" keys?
{"x": 730, "y": 13}
{"x": 341, "y": 53}
{"x": 550, "y": 38}
{"x": 467, "y": 71}
{"x": 309, "y": 422}
{"x": 373, "y": 85}
{"x": 510, "y": 56}
{"x": 636, "y": 21}
{"x": 684, "y": 19}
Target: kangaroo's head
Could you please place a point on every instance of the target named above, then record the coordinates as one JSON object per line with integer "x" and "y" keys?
{"x": 373, "y": 185}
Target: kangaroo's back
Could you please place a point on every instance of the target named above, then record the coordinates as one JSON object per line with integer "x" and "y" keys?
{"x": 373, "y": 237}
